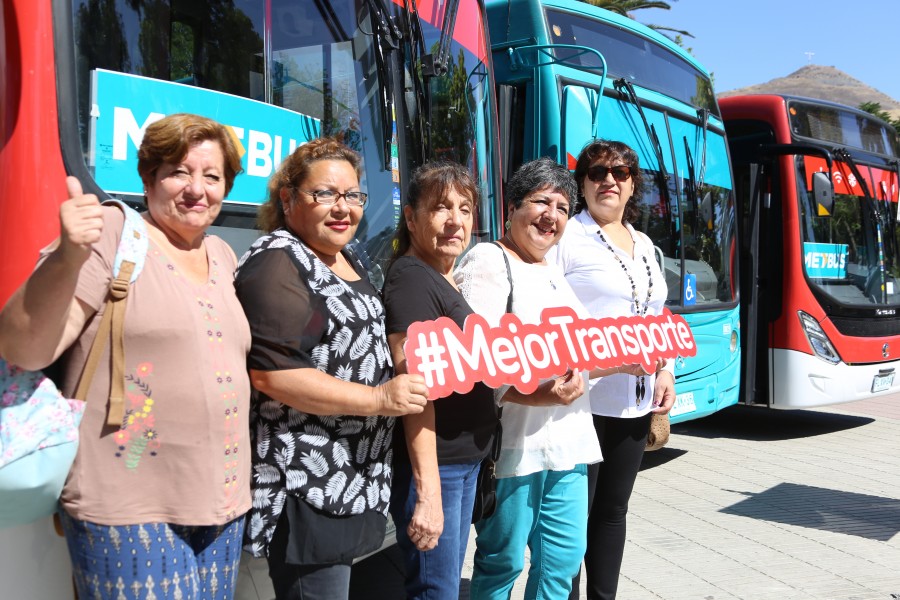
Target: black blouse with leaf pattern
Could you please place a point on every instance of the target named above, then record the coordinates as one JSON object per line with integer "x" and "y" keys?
{"x": 302, "y": 315}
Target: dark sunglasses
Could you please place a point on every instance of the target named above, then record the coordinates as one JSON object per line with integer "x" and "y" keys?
{"x": 598, "y": 173}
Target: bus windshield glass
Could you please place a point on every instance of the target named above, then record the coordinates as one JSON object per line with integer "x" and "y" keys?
{"x": 850, "y": 250}
{"x": 276, "y": 72}
{"x": 851, "y": 254}
{"x": 460, "y": 110}
{"x": 708, "y": 230}
{"x": 632, "y": 56}
{"x": 842, "y": 127}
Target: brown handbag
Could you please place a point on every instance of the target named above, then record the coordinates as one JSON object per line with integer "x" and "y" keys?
{"x": 658, "y": 436}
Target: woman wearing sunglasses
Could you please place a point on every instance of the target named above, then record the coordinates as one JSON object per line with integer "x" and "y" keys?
{"x": 614, "y": 273}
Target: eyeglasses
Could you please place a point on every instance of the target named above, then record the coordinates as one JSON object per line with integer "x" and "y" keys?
{"x": 329, "y": 197}
{"x": 598, "y": 173}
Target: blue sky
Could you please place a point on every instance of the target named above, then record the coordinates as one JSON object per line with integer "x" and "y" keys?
{"x": 744, "y": 42}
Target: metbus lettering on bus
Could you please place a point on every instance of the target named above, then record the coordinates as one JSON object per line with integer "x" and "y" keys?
{"x": 124, "y": 105}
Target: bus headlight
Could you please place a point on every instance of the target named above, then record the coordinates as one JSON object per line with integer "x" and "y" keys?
{"x": 734, "y": 341}
{"x": 818, "y": 341}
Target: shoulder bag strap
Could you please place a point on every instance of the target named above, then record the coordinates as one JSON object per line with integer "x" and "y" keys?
{"x": 509, "y": 299}
{"x": 127, "y": 265}
{"x": 495, "y": 450}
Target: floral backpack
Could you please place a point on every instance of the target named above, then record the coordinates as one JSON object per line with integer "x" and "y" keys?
{"x": 38, "y": 426}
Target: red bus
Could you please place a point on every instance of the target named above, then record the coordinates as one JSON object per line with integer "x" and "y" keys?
{"x": 817, "y": 189}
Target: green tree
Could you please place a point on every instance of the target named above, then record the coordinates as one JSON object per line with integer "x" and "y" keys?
{"x": 626, "y": 7}
{"x": 874, "y": 108}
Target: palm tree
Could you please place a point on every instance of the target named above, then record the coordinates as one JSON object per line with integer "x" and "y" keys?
{"x": 626, "y": 7}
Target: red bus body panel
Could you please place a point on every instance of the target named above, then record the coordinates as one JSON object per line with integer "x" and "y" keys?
{"x": 32, "y": 176}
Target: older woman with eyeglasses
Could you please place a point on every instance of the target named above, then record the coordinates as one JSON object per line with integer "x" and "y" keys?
{"x": 613, "y": 270}
{"x": 323, "y": 403}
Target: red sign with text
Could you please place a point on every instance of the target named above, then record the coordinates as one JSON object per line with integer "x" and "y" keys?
{"x": 453, "y": 360}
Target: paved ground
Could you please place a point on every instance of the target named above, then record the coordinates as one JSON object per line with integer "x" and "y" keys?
{"x": 749, "y": 504}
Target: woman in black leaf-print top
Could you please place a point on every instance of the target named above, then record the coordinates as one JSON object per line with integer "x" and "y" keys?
{"x": 323, "y": 405}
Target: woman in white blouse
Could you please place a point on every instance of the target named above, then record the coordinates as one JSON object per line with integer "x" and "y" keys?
{"x": 614, "y": 273}
{"x": 548, "y": 438}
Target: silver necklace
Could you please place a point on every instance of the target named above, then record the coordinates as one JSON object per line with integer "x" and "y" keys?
{"x": 641, "y": 311}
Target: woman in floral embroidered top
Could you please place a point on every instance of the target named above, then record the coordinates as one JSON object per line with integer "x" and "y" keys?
{"x": 153, "y": 507}
{"x": 323, "y": 406}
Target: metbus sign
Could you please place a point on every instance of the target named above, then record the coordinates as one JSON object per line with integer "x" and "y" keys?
{"x": 452, "y": 360}
{"x": 124, "y": 105}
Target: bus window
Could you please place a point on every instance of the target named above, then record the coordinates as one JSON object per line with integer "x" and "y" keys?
{"x": 842, "y": 253}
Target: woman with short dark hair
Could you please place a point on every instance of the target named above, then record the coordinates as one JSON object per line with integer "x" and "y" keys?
{"x": 547, "y": 438}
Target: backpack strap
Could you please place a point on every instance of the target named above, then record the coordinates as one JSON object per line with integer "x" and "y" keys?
{"x": 128, "y": 263}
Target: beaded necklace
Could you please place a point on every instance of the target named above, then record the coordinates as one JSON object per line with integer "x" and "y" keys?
{"x": 639, "y": 383}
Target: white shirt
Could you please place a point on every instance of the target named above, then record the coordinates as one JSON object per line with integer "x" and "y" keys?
{"x": 604, "y": 288}
{"x": 535, "y": 438}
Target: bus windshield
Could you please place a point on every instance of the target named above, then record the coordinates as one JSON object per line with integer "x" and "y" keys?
{"x": 708, "y": 230}
{"x": 460, "y": 110}
{"x": 277, "y": 73}
{"x": 850, "y": 250}
{"x": 632, "y": 56}
{"x": 851, "y": 254}
{"x": 692, "y": 222}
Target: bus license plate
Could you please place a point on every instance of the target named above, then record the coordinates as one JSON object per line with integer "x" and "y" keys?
{"x": 684, "y": 403}
{"x": 882, "y": 382}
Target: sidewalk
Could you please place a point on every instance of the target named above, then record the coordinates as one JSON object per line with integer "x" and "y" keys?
{"x": 748, "y": 504}
{"x": 754, "y": 504}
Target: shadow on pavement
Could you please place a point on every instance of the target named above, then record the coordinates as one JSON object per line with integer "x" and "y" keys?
{"x": 661, "y": 456}
{"x": 765, "y": 424}
{"x": 871, "y": 517}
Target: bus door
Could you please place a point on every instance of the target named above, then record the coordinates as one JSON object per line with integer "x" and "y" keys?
{"x": 757, "y": 259}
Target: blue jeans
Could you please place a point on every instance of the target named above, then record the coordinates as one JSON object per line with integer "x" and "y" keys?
{"x": 435, "y": 574}
{"x": 545, "y": 511}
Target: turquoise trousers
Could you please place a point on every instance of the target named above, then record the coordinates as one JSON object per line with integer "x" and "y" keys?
{"x": 545, "y": 512}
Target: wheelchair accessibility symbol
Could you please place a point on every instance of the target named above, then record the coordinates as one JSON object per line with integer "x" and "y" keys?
{"x": 690, "y": 290}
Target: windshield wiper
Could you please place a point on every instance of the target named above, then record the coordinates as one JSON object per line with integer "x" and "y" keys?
{"x": 335, "y": 28}
{"x": 691, "y": 189}
{"x": 437, "y": 64}
{"x": 890, "y": 218}
{"x": 387, "y": 38}
{"x": 625, "y": 87}
{"x": 844, "y": 156}
{"x": 703, "y": 116}
{"x": 421, "y": 97}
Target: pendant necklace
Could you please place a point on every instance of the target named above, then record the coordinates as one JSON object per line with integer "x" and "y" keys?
{"x": 641, "y": 311}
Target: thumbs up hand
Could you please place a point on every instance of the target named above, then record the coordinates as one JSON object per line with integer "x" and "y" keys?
{"x": 81, "y": 223}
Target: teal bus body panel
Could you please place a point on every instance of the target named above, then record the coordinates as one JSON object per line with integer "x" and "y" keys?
{"x": 713, "y": 375}
{"x": 558, "y": 115}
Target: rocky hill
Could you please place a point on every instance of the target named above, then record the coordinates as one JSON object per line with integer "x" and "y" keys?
{"x": 827, "y": 83}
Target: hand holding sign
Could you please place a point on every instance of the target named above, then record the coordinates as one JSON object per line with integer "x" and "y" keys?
{"x": 402, "y": 395}
{"x": 522, "y": 355}
{"x": 559, "y": 391}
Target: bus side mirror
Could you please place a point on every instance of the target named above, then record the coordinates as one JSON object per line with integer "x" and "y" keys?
{"x": 823, "y": 192}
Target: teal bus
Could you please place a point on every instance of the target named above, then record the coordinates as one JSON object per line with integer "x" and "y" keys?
{"x": 568, "y": 72}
